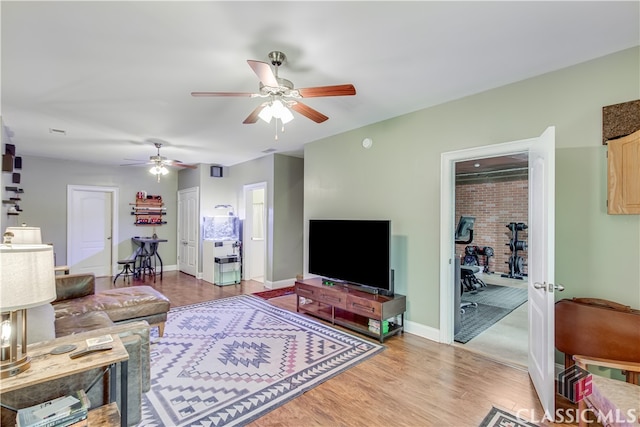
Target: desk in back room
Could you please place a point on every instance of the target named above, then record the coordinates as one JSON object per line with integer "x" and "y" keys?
{"x": 148, "y": 247}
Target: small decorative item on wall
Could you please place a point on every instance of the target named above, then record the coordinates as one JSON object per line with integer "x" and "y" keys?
{"x": 15, "y": 178}
{"x": 7, "y": 163}
{"x": 10, "y": 149}
{"x": 17, "y": 163}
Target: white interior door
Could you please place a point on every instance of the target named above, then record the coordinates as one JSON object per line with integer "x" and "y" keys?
{"x": 541, "y": 267}
{"x": 188, "y": 231}
{"x": 541, "y": 249}
{"x": 90, "y": 221}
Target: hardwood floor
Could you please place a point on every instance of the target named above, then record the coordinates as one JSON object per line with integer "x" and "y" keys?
{"x": 413, "y": 382}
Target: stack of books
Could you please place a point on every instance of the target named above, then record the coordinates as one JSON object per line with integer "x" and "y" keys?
{"x": 376, "y": 326}
{"x": 59, "y": 412}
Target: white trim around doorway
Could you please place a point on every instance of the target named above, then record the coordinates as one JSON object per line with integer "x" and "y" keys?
{"x": 447, "y": 225}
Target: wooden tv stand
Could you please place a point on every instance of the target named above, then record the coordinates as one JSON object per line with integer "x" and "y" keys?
{"x": 345, "y": 306}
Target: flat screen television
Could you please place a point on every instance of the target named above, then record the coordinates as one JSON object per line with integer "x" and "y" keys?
{"x": 355, "y": 252}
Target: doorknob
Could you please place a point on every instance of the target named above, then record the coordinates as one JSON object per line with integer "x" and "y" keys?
{"x": 109, "y": 238}
{"x": 540, "y": 285}
{"x": 551, "y": 287}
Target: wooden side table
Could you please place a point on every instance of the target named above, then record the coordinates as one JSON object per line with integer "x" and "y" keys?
{"x": 47, "y": 367}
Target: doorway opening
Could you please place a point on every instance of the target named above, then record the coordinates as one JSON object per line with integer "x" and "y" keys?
{"x": 493, "y": 317}
{"x": 541, "y": 237}
{"x": 254, "y": 232}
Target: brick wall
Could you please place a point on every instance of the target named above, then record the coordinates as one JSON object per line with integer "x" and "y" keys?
{"x": 494, "y": 204}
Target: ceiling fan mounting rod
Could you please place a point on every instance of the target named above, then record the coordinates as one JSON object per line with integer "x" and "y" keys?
{"x": 277, "y": 58}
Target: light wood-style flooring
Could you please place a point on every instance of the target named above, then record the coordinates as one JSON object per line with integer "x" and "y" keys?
{"x": 413, "y": 382}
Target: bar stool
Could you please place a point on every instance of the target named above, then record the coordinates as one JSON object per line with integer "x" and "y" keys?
{"x": 146, "y": 265}
{"x": 126, "y": 271}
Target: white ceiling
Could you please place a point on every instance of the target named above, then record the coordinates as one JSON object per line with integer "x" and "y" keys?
{"x": 118, "y": 75}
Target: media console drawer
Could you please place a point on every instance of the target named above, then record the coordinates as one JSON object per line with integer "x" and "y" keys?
{"x": 350, "y": 307}
{"x": 325, "y": 294}
{"x": 369, "y": 308}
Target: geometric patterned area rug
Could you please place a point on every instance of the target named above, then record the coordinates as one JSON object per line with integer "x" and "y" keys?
{"x": 494, "y": 303}
{"x": 499, "y": 418}
{"x": 229, "y": 361}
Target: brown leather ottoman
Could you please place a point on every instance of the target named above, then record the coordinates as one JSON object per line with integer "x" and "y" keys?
{"x": 128, "y": 304}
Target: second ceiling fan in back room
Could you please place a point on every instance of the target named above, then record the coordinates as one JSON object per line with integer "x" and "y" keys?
{"x": 280, "y": 94}
{"x": 159, "y": 163}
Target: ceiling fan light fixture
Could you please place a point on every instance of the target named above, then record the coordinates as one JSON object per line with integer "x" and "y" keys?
{"x": 266, "y": 114}
{"x": 277, "y": 109}
{"x": 159, "y": 170}
{"x": 285, "y": 115}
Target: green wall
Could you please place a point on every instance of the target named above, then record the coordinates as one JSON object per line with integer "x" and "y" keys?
{"x": 597, "y": 255}
{"x": 288, "y": 189}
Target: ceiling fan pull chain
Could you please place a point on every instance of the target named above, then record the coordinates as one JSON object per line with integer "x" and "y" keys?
{"x": 276, "y": 122}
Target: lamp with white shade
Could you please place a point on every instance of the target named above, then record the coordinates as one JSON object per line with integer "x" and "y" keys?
{"x": 27, "y": 280}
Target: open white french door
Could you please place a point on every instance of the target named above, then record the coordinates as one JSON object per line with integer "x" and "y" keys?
{"x": 541, "y": 251}
{"x": 188, "y": 232}
{"x": 541, "y": 267}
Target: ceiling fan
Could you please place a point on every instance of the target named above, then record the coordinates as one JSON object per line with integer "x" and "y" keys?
{"x": 160, "y": 163}
{"x": 281, "y": 94}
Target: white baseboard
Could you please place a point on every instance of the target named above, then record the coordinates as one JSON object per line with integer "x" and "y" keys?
{"x": 280, "y": 284}
{"x": 421, "y": 330}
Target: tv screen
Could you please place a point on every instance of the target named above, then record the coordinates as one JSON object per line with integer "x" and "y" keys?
{"x": 353, "y": 251}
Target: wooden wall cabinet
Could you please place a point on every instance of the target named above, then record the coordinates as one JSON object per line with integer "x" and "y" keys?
{"x": 623, "y": 175}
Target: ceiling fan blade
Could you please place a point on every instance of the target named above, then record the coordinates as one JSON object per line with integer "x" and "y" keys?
{"x": 141, "y": 163}
{"x": 253, "y": 117}
{"x": 337, "y": 90}
{"x": 241, "y": 94}
{"x": 178, "y": 163}
{"x": 264, "y": 73}
{"x": 184, "y": 165}
{"x": 309, "y": 112}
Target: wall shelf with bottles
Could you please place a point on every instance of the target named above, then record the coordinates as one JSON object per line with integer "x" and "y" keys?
{"x": 148, "y": 210}
{"x": 14, "y": 208}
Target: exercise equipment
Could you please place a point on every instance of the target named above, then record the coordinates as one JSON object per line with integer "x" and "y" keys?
{"x": 468, "y": 279}
{"x": 516, "y": 262}
{"x": 472, "y": 254}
